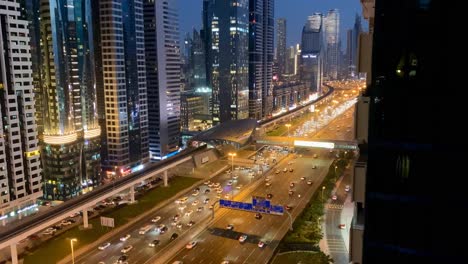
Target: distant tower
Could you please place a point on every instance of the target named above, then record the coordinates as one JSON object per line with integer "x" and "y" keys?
{"x": 281, "y": 52}
{"x": 311, "y": 68}
{"x": 332, "y": 40}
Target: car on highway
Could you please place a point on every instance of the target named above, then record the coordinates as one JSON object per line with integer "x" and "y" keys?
{"x": 291, "y": 169}
{"x": 285, "y": 170}
{"x": 191, "y": 245}
{"x": 126, "y": 249}
{"x": 207, "y": 191}
{"x": 347, "y": 188}
{"x": 176, "y": 217}
{"x": 154, "y": 243}
{"x": 238, "y": 187}
{"x": 309, "y": 182}
{"x": 219, "y": 191}
{"x": 159, "y": 227}
{"x": 227, "y": 196}
{"x": 188, "y": 213}
{"x": 334, "y": 197}
{"x": 179, "y": 226}
{"x": 182, "y": 207}
{"x": 277, "y": 172}
{"x": 104, "y": 246}
{"x": 291, "y": 184}
{"x": 191, "y": 223}
{"x": 303, "y": 178}
{"x": 235, "y": 177}
{"x": 195, "y": 193}
{"x": 242, "y": 238}
{"x": 122, "y": 259}
{"x": 268, "y": 184}
{"x": 229, "y": 182}
{"x": 291, "y": 192}
{"x": 314, "y": 166}
{"x": 174, "y": 236}
{"x": 230, "y": 227}
{"x": 195, "y": 203}
{"x": 288, "y": 207}
{"x": 258, "y": 216}
{"x": 261, "y": 244}
{"x": 267, "y": 179}
{"x": 206, "y": 200}
{"x": 156, "y": 219}
{"x": 342, "y": 226}
{"x": 207, "y": 182}
{"x": 269, "y": 195}
{"x": 210, "y": 207}
{"x": 65, "y": 222}
{"x": 199, "y": 209}
{"x": 125, "y": 238}
{"x": 225, "y": 262}
{"x": 315, "y": 156}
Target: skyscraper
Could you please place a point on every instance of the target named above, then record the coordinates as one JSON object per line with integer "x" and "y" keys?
{"x": 281, "y": 52}
{"x": 312, "y": 53}
{"x": 20, "y": 171}
{"x": 124, "y": 75}
{"x": 226, "y": 24}
{"x": 332, "y": 40}
{"x": 198, "y": 61}
{"x": 261, "y": 52}
{"x": 66, "y": 96}
{"x": 163, "y": 76}
{"x": 349, "y": 52}
{"x": 354, "y": 45}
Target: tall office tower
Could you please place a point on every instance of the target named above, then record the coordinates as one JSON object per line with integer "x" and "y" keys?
{"x": 354, "y": 45}
{"x": 198, "y": 61}
{"x": 416, "y": 145}
{"x": 20, "y": 171}
{"x": 124, "y": 75}
{"x": 311, "y": 58}
{"x": 261, "y": 53}
{"x": 163, "y": 75}
{"x": 227, "y": 31}
{"x": 348, "y": 59}
{"x": 66, "y": 97}
{"x": 332, "y": 40}
{"x": 281, "y": 48}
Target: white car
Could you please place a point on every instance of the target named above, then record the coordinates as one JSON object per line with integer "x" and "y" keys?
{"x": 334, "y": 197}
{"x": 206, "y": 200}
{"x": 65, "y": 223}
{"x": 182, "y": 207}
{"x": 191, "y": 245}
{"x": 195, "y": 203}
{"x": 267, "y": 184}
{"x": 242, "y": 238}
{"x": 219, "y": 191}
{"x": 104, "y": 246}
{"x": 347, "y": 188}
{"x": 207, "y": 182}
{"x": 156, "y": 219}
{"x": 189, "y": 212}
{"x": 261, "y": 244}
{"x": 125, "y": 238}
{"x": 229, "y": 183}
{"x": 126, "y": 249}
{"x": 238, "y": 187}
{"x": 235, "y": 177}
{"x": 195, "y": 193}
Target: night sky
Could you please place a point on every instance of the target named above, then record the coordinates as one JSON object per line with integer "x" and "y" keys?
{"x": 295, "y": 12}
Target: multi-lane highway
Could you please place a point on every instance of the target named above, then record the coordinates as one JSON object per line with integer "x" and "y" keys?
{"x": 218, "y": 244}
{"x": 187, "y": 211}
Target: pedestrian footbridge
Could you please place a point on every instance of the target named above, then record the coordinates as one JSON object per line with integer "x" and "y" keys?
{"x": 303, "y": 142}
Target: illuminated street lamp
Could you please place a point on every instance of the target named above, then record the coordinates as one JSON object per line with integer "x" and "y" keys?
{"x": 232, "y": 155}
{"x": 288, "y": 126}
{"x": 71, "y": 245}
{"x": 323, "y": 188}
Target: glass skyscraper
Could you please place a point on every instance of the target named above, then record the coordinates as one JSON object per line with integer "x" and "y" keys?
{"x": 162, "y": 50}
{"x": 332, "y": 40}
{"x": 281, "y": 48}
{"x": 226, "y": 24}
{"x": 261, "y": 53}
{"x": 312, "y": 53}
{"x": 66, "y": 97}
{"x": 125, "y": 92}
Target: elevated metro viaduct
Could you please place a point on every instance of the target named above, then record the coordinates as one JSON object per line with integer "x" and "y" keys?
{"x": 22, "y": 229}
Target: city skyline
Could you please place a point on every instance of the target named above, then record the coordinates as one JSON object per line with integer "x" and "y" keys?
{"x": 296, "y": 15}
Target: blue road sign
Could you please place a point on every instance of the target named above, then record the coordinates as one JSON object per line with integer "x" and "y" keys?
{"x": 258, "y": 206}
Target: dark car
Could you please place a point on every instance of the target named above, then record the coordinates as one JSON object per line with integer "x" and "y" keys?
{"x": 269, "y": 196}
{"x": 287, "y": 207}
{"x": 258, "y": 216}
{"x": 207, "y": 190}
{"x": 174, "y": 236}
{"x": 122, "y": 258}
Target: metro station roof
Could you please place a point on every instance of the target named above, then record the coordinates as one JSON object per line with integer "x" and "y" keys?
{"x": 237, "y": 131}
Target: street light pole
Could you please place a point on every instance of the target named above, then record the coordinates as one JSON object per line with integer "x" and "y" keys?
{"x": 288, "y": 126}
{"x": 72, "y": 253}
{"x": 323, "y": 188}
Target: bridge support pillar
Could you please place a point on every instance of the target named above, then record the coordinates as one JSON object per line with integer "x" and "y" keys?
{"x": 14, "y": 254}
{"x": 165, "y": 178}
{"x": 85, "y": 218}
{"x": 132, "y": 194}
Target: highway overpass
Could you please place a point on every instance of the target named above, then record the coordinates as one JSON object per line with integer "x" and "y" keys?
{"x": 306, "y": 143}
{"x": 22, "y": 229}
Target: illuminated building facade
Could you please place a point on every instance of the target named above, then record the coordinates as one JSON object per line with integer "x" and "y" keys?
{"x": 162, "y": 51}
{"x": 332, "y": 40}
{"x": 66, "y": 97}
{"x": 124, "y": 75}
{"x": 226, "y": 25}
{"x": 20, "y": 171}
{"x": 311, "y": 69}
